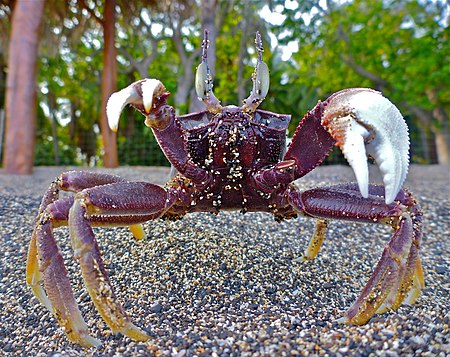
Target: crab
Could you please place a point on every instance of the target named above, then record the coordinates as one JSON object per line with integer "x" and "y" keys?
{"x": 235, "y": 158}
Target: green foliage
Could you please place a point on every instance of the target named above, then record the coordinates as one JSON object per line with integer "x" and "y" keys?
{"x": 71, "y": 75}
{"x": 398, "y": 47}
{"x": 45, "y": 153}
{"x": 45, "y": 147}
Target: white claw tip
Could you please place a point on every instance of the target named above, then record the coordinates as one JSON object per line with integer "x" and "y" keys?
{"x": 355, "y": 153}
{"x": 364, "y": 122}
{"x": 113, "y": 110}
{"x": 117, "y": 101}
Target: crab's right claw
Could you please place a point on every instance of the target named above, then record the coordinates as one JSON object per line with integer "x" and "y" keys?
{"x": 142, "y": 95}
{"x": 363, "y": 122}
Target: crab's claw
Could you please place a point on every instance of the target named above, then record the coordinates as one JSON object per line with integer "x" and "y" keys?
{"x": 363, "y": 122}
{"x": 143, "y": 95}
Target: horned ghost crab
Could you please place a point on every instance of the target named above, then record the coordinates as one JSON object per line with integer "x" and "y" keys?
{"x": 235, "y": 158}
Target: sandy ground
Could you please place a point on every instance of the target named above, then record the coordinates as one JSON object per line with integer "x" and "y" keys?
{"x": 229, "y": 284}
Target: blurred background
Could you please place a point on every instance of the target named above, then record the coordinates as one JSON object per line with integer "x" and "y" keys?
{"x": 60, "y": 60}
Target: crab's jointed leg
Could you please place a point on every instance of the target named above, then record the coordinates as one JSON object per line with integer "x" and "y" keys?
{"x": 131, "y": 198}
{"x": 398, "y": 276}
{"x": 45, "y": 263}
{"x": 316, "y": 240}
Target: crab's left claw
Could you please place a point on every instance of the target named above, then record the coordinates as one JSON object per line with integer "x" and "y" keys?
{"x": 142, "y": 95}
{"x": 363, "y": 122}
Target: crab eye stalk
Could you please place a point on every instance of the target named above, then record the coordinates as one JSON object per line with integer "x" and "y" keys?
{"x": 260, "y": 79}
{"x": 204, "y": 82}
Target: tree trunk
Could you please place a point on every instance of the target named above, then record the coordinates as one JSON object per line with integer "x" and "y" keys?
{"x": 20, "y": 103}
{"x": 441, "y": 141}
{"x": 186, "y": 80}
{"x": 432, "y": 148}
{"x": 424, "y": 149}
{"x": 184, "y": 86}
{"x": 441, "y": 132}
{"x": 109, "y": 84}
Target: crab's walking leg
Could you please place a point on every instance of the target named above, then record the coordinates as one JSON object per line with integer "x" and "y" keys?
{"x": 130, "y": 199}
{"x": 398, "y": 276}
{"x": 69, "y": 181}
{"x": 45, "y": 262}
{"x": 316, "y": 240}
{"x": 52, "y": 271}
{"x": 33, "y": 274}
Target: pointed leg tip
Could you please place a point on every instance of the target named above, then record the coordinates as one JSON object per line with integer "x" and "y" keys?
{"x": 301, "y": 259}
{"x": 89, "y": 341}
{"x": 138, "y": 231}
{"x": 83, "y": 338}
{"x": 92, "y": 342}
{"x": 40, "y": 294}
{"x": 135, "y": 332}
{"x": 384, "y": 308}
{"x": 342, "y": 320}
{"x": 356, "y": 317}
{"x": 412, "y": 297}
